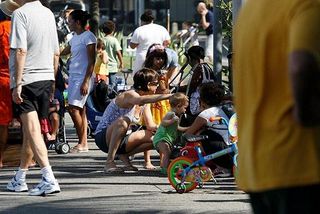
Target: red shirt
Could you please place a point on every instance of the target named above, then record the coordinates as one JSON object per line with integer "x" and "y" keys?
{"x": 5, "y": 29}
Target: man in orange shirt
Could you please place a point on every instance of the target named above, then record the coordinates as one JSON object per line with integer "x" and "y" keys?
{"x": 6, "y": 9}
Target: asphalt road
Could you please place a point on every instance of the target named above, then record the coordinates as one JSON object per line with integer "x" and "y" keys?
{"x": 86, "y": 189}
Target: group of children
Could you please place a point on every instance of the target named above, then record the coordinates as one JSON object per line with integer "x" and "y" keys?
{"x": 109, "y": 57}
{"x": 212, "y": 97}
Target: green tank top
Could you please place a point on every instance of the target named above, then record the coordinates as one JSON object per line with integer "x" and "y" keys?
{"x": 167, "y": 134}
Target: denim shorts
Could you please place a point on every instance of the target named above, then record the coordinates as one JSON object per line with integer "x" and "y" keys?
{"x": 100, "y": 140}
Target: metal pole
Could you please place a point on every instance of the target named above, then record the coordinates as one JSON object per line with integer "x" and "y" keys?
{"x": 168, "y": 15}
{"x": 217, "y": 40}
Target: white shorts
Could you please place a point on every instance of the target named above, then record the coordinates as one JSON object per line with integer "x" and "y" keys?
{"x": 74, "y": 96}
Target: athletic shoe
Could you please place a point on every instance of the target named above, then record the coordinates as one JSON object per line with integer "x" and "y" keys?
{"x": 17, "y": 185}
{"x": 45, "y": 187}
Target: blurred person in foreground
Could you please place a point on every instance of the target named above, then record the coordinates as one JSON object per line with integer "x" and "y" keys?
{"x": 6, "y": 9}
{"x": 277, "y": 92}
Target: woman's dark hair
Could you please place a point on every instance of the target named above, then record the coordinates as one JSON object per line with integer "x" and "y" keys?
{"x": 147, "y": 16}
{"x": 108, "y": 27}
{"x": 156, "y": 50}
{"x": 212, "y": 93}
{"x": 196, "y": 52}
{"x": 143, "y": 77}
{"x": 81, "y": 16}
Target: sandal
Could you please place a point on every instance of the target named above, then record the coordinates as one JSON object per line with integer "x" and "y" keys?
{"x": 76, "y": 149}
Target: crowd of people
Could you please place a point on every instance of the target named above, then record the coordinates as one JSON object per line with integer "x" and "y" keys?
{"x": 31, "y": 66}
{"x": 276, "y": 94}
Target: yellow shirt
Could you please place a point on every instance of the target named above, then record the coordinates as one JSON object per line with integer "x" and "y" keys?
{"x": 99, "y": 66}
{"x": 274, "y": 151}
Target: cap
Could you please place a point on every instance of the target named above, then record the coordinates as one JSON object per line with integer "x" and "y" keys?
{"x": 8, "y": 7}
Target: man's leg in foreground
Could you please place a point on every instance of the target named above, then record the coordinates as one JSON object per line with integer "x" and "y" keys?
{"x": 33, "y": 144}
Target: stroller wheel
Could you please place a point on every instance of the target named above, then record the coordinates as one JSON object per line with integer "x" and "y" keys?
{"x": 62, "y": 148}
{"x": 58, "y": 147}
{"x": 65, "y": 148}
{"x": 89, "y": 131}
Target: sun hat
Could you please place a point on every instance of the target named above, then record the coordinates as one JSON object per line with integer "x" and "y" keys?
{"x": 8, "y": 7}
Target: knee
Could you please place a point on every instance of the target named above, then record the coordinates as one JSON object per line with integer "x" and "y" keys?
{"x": 164, "y": 147}
{"x": 121, "y": 126}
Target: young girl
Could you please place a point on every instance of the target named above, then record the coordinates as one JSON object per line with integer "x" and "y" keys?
{"x": 166, "y": 134}
{"x": 157, "y": 59}
{"x": 212, "y": 96}
{"x": 100, "y": 67}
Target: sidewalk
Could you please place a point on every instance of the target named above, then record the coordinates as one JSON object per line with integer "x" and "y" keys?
{"x": 86, "y": 189}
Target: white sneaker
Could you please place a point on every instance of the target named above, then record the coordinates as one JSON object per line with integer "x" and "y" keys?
{"x": 17, "y": 185}
{"x": 45, "y": 187}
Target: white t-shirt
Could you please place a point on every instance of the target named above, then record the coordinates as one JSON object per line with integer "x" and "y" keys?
{"x": 79, "y": 56}
{"x": 34, "y": 30}
{"x": 221, "y": 129}
{"x": 145, "y": 36}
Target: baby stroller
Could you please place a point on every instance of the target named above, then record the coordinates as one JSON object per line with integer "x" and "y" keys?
{"x": 58, "y": 106}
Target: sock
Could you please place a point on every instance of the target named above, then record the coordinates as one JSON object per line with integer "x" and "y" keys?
{"x": 47, "y": 173}
{"x": 21, "y": 174}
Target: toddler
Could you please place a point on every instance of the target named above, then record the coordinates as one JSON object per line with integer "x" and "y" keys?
{"x": 167, "y": 132}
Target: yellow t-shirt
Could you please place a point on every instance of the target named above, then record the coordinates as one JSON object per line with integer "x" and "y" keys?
{"x": 99, "y": 66}
{"x": 274, "y": 151}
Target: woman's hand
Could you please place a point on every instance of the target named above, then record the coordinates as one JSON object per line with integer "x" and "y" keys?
{"x": 84, "y": 89}
{"x": 153, "y": 129}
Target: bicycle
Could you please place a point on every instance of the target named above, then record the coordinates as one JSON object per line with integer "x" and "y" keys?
{"x": 185, "y": 173}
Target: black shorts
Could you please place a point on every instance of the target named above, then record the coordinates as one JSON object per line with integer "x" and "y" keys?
{"x": 36, "y": 97}
{"x": 100, "y": 140}
{"x": 302, "y": 199}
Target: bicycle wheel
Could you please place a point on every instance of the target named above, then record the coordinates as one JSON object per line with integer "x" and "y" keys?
{"x": 174, "y": 174}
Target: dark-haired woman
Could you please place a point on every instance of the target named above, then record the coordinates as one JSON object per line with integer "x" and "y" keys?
{"x": 126, "y": 108}
{"x": 82, "y": 47}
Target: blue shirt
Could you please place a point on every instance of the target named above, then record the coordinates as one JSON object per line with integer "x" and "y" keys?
{"x": 209, "y": 18}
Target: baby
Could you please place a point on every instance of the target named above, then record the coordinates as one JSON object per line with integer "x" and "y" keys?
{"x": 167, "y": 132}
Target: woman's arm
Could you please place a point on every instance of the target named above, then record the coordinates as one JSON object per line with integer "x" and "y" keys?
{"x": 197, "y": 125}
{"x": 148, "y": 120}
{"x": 136, "y": 99}
{"x": 91, "y": 51}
